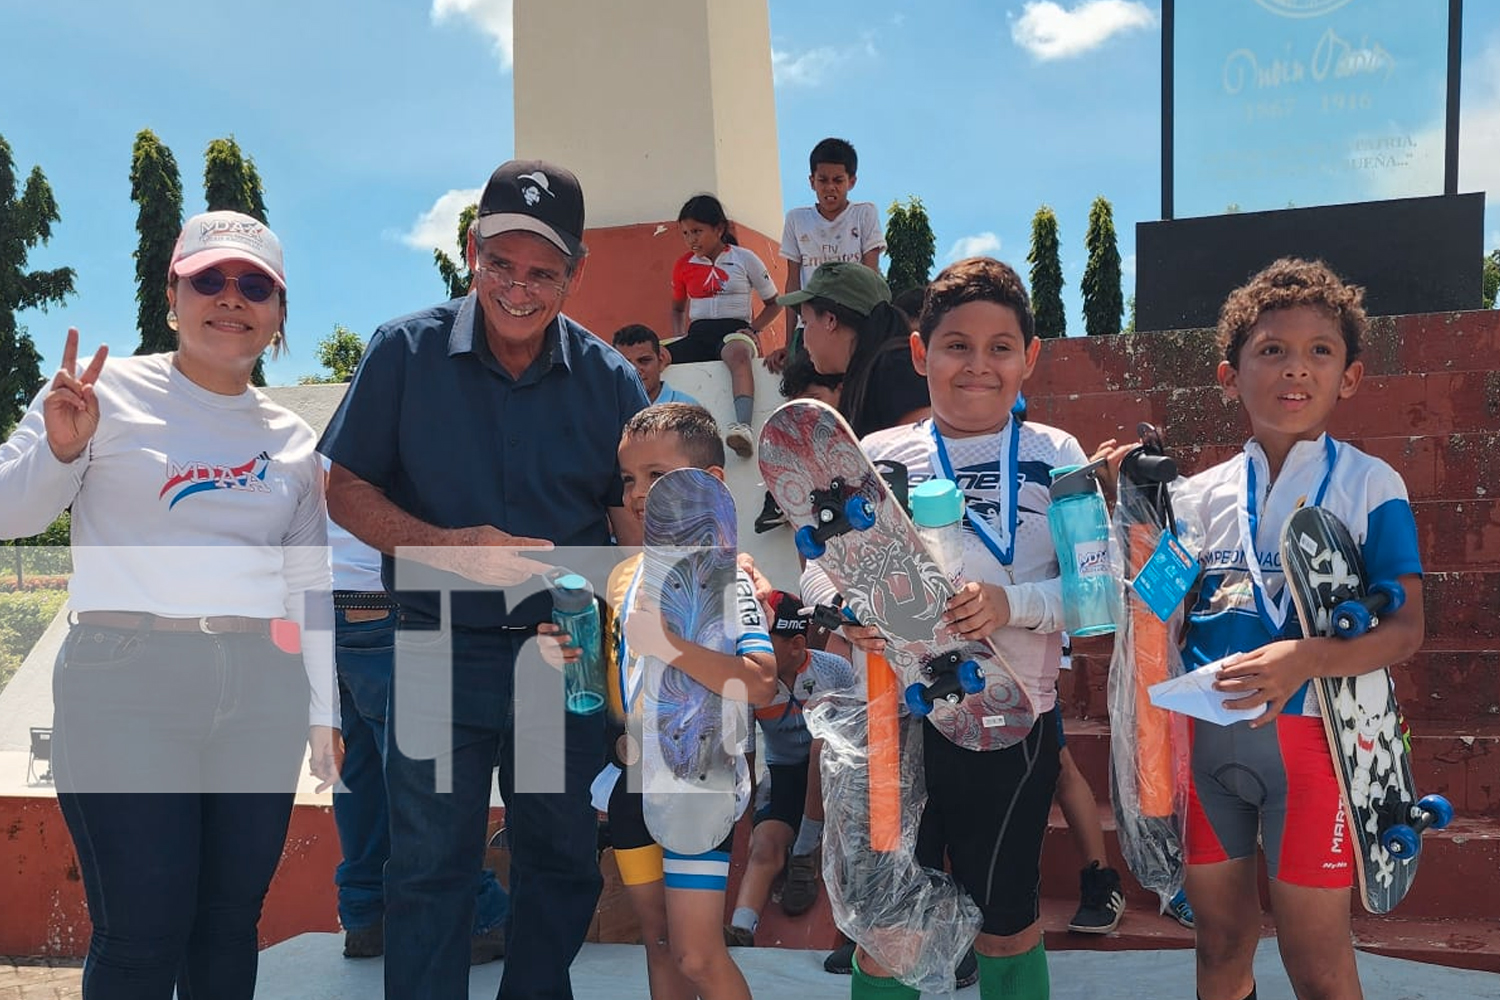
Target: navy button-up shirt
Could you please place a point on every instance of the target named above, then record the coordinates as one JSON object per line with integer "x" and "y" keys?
{"x": 434, "y": 421}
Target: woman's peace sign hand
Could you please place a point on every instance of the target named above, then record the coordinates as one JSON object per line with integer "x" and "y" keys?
{"x": 70, "y": 409}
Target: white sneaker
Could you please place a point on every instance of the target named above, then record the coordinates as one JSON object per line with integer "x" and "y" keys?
{"x": 740, "y": 440}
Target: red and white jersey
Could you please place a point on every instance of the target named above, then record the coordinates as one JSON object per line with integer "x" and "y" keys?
{"x": 721, "y": 288}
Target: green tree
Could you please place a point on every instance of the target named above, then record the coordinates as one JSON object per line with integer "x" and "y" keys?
{"x": 1103, "y": 302}
{"x": 25, "y": 221}
{"x": 339, "y": 352}
{"x": 455, "y": 274}
{"x": 1046, "y": 275}
{"x": 1130, "y": 320}
{"x": 1491, "y": 279}
{"x": 156, "y": 188}
{"x": 910, "y": 244}
{"x": 231, "y": 183}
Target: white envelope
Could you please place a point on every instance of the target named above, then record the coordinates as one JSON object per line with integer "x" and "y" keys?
{"x": 1193, "y": 694}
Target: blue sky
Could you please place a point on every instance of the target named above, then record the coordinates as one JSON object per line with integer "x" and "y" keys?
{"x": 362, "y": 117}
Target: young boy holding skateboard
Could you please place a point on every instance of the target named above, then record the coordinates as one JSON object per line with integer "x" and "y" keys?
{"x": 679, "y": 900}
{"x": 1291, "y": 340}
{"x": 987, "y": 811}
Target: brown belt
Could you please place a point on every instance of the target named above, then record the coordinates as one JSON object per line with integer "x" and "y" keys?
{"x": 137, "y": 620}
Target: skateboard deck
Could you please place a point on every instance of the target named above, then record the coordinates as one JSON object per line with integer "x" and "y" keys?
{"x": 1361, "y": 719}
{"x": 691, "y": 766}
{"x": 840, "y": 505}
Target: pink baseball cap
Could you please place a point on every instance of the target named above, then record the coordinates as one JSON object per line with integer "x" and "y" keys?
{"x": 215, "y": 237}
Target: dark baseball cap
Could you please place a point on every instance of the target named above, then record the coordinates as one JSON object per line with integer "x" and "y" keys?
{"x": 847, "y": 282}
{"x": 789, "y": 615}
{"x": 533, "y": 196}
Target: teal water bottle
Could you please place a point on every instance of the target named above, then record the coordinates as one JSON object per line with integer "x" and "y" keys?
{"x": 1080, "y": 533}
{"x": 937, "y": 508}
{"x": 575, "y": 612}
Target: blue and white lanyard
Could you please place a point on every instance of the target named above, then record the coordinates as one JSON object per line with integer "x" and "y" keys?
{"x": 1272, "y": 612}
{"x": 1002, "y": 549}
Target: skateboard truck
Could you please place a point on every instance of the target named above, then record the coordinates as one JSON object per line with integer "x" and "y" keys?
{"x": 1353, "y": 618}
{"x": 952, "y": 675}
{"x": 832, "y": 616}
{"x": 835, "y": 514}
{"x": 1404, "y": 840}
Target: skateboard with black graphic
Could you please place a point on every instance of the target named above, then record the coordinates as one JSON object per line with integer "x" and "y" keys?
{"x": 847, "y": 519}
{"x": 691, "y": 769}
{"x": 1366, "y": 733}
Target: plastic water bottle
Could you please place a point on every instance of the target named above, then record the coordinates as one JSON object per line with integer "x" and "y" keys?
{"x": 574, "y": 611}
{"x": 1080, "y": 532}
{"x": 937, "y": 508}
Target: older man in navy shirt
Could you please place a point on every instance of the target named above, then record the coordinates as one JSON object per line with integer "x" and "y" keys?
{"x": 472, "y": 430}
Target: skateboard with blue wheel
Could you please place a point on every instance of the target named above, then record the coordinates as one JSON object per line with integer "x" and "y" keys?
{"x": 847, "y": 519}
{"x": 692, "y": 770}
{"x": 1366, "y": 733}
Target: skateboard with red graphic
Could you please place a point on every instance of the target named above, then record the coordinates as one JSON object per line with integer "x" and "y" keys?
{"x": 1366, "y": 733}
{"x": 848, "y": 521}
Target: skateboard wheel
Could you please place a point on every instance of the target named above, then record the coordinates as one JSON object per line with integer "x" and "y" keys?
{"x": 860, "y": 513}
{"x": 1401, "y": 841}
{"x": 808, "y": 545}
{"x": 1438, "y": 810}
{"x": 1394, "y": 594}
{"x": 1351, "y": 619}
{"x": 916, "y": 701}
{"x": 970, "y": 677}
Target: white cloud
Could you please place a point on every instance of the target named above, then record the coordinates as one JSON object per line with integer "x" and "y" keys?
{"x": 437, "y": 228}
{"x": 984, "y": 244}
{"x": 1049, "y": 31}
{"x": 816, "y": 66}
{"x": 493, "y": 17}
{"x": 1127, "y": 266}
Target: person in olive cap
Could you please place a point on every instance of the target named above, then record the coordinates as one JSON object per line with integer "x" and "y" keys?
{"x": 472, "y": 430}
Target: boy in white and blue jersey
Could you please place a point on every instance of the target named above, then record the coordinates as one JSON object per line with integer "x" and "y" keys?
{"x": 678, "y": 899}
{"x": 1291, "y": 340}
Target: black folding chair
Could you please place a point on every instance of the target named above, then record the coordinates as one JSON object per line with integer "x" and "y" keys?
{"x": 41, "y": 754}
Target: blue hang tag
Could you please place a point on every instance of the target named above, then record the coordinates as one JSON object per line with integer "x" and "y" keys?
{"x": 1167, "y": 577}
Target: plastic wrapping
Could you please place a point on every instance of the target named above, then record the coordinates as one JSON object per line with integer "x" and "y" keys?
{"x": 915, "y": 921}
{"x": 1149, "y": 746}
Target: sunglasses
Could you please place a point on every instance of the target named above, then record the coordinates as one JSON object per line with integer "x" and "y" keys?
{"x": 255, "y": 286}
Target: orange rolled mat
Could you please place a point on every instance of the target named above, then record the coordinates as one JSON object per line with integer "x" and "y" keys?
{"x": 1153, "y": 732}
{"x": 884, "y": 747}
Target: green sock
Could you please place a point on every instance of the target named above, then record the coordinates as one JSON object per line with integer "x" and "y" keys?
{"x": 1018, "y": 977}
{"x": 867, "y": 987}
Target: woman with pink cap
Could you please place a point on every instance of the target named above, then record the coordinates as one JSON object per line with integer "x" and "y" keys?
{"x": 199, "y": 665}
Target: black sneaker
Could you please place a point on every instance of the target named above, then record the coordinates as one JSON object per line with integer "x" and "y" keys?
{"x": 487, "y": 946}
{"x": 365, "y": 942}
{"x": 770, "y": 517}
{"x": 1101, "y": 902}
{"x": 967, "y": 971}
{"x": 840, "y": 961}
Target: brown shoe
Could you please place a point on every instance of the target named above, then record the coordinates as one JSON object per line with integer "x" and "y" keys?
{"x": 801, "y": 889}
{"x": 488, "y": 946}
{"x": 738, "y": 937}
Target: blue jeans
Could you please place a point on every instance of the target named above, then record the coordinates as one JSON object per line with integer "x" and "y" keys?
{"x": 158, "y": 741}
{"x": 364, "y": 653}
{"x": 439, "y": 802}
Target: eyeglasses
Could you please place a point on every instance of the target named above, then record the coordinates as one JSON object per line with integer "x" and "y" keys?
{"x": 255, "y": 286}
{"x": 506, "y": 275}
